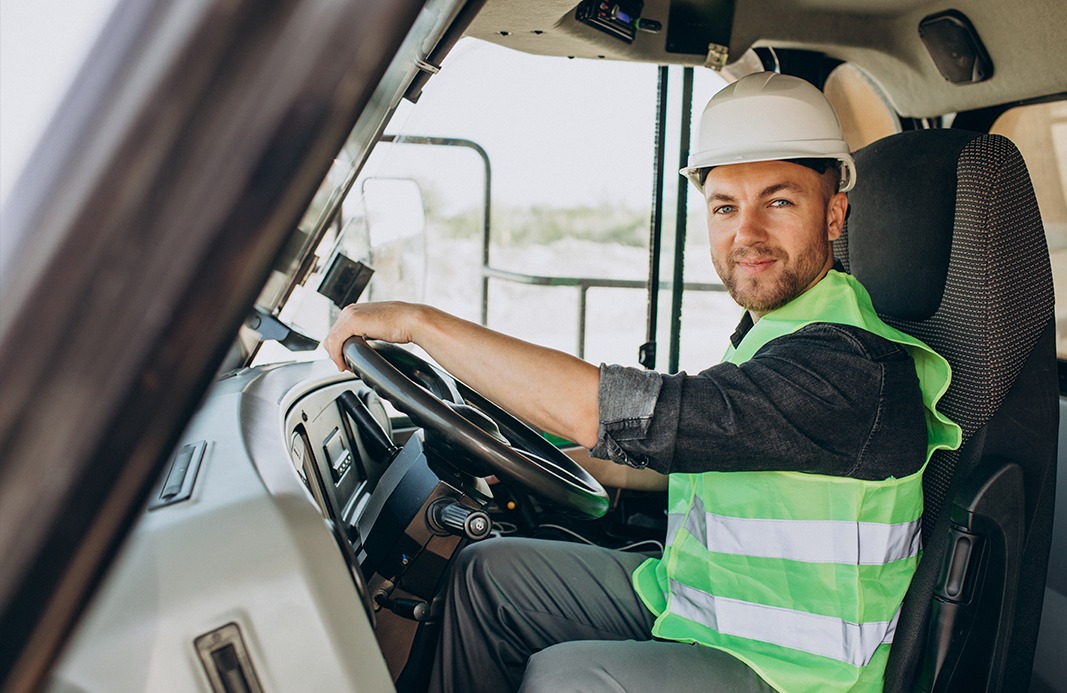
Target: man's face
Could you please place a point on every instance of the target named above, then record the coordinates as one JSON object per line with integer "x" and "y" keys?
{"x": 770, "y": 225}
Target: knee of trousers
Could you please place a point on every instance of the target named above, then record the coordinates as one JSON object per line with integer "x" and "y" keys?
{"x": 473, "y": 566}
{"x": 556, "y": 669}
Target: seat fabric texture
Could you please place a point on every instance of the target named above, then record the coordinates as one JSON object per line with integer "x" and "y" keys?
{"x": 945, "y": 232}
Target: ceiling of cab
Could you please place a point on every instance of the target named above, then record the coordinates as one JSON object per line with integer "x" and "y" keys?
{"x": 1025, "y": 41}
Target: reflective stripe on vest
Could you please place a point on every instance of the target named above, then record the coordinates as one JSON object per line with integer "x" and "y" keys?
{"x": 852, "y": 643}
{"x": 813, "y": 541}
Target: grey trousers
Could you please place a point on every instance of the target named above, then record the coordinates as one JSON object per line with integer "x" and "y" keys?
{"x": 545, "y": 616}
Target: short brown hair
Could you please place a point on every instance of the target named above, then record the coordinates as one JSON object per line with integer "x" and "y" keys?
{"x": 829, "y": 169}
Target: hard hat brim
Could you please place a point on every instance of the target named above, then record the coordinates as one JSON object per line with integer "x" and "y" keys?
{"x": 817, "y": 150}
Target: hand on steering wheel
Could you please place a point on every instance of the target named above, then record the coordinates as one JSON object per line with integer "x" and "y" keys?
{"x": 520, "y": 455}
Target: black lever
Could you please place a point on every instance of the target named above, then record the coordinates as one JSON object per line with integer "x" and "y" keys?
{"x": 452, "y": 517}
{"x": 412, "y": 609}
{"x": 269, "y": 327}
{"x": 375, "y": 440}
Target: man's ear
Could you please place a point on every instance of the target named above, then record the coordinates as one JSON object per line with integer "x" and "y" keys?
{"x": 836, "y": 213}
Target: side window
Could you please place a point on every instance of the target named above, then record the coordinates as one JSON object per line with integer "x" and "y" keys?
{"x": 1040, "y": 132}
{"x": 569, "y": 148}
{"x": 517, "y": 192}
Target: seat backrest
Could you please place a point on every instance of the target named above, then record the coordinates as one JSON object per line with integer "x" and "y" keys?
{"x": 945, "y": 233}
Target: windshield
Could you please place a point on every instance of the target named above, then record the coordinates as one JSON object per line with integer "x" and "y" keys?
{"x": 539, "y": 170}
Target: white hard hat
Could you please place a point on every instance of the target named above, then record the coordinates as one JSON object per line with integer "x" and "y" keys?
{"x": 767, "y": 117}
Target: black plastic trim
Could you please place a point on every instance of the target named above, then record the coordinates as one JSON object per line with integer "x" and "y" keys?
{"x": 176, "y": 484}
{"x": 973, "y": 610}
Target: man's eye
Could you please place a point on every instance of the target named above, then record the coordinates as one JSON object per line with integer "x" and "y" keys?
{"x": 722, "y": 209}
{"x": 781, "y": 203}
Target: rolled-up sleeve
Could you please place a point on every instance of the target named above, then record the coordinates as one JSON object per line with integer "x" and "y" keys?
{"x": 628, "y": 398}
{"x": 827, "y": 399}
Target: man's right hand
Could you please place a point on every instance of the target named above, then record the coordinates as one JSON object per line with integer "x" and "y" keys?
{"x": 546, "y": 388}
{"x": 391, "y": 321}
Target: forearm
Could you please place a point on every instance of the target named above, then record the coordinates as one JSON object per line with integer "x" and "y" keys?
{"x": 547, "y": 388}
{"x": 618, "y": 475}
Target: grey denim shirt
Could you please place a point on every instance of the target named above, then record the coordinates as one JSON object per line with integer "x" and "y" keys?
{"x": 827, "y": 399}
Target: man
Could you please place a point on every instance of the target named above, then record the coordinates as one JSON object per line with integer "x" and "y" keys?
{"x": 794, "y": 466}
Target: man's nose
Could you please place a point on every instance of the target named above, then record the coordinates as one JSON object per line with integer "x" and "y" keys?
{"x": 751, "y": 228}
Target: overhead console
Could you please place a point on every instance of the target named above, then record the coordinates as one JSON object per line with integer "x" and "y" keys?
{"x": 683, "y": 32}
{"x": 694, "y": 27}
{"x": 622, "y": 18}
{"x": 701, "y": 27}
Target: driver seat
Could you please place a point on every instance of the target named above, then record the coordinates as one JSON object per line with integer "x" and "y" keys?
{"x": 946, "y": 235}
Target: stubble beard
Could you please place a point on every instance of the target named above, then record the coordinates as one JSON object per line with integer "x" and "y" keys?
{"x": 763, "y": 294}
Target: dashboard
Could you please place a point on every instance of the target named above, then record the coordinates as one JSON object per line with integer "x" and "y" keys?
{"x": 329, "y": 454}
{"x": 243, "y": 571}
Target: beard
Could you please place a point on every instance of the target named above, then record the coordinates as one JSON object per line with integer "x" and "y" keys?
{"x": 791, "y": 277}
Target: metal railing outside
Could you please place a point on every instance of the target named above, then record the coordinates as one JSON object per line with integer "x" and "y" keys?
{"x": 582, "y": 284}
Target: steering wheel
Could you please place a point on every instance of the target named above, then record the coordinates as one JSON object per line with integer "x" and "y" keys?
{"x": 518, "y": 453}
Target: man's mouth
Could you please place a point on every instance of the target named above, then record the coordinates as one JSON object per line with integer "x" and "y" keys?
{"x": 756, "y": 265}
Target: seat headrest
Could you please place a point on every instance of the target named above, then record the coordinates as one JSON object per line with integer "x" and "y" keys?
{"x": 903, "y": 208}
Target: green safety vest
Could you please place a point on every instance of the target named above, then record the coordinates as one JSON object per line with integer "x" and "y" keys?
{"x": 801, "y": 576}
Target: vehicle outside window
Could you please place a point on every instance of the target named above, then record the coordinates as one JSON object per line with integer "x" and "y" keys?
{"x": 1040, "y": 132}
